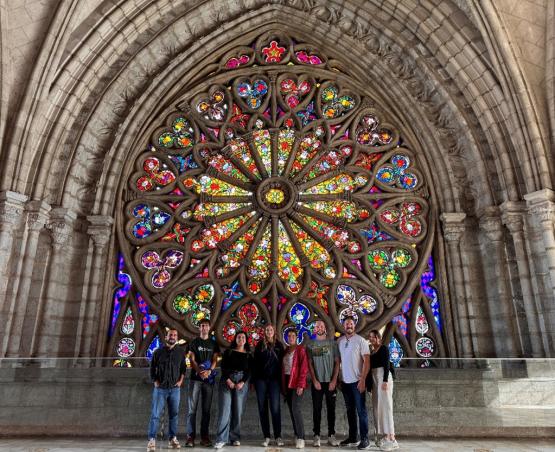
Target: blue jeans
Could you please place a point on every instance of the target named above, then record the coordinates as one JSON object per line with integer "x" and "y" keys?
{"x": 159, "y": 398}
{"x": 203, "y": 391}
{"x": 268, "y": 395}
{"x": 231, "y": 403}
{"x": 355, "y": 404}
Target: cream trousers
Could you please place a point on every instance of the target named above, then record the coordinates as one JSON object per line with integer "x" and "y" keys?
{"x": 382, "y": 403}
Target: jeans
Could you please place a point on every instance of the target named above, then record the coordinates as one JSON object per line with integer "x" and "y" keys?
{"x": 317, "y": 398}
{"x": 268, "y": 393}
{"x": 355, "y": 404}
{"x": 204, "y": 391}
{"x": 294, "y": 402}
{"x": 159, "y": 398}
{"x": 231, "y": 403}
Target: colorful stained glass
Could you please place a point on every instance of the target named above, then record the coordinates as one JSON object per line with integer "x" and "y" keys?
{"x": 396, "y": 353}
{"x": 151, "y": 260}
{"x": 183, "y": 163}
{"x": 367, "y": 161}
{"x": 306, "y": 58}
{"x": 425, "y": 347}
{"x": 289, "y": 264}
{"x": 308, "y": 148}
{"x": 328, "y": 162}
{"x": 221, "y": 231}
{"x": 337, "y": 235}
{"x": 253, "y": 94}
{"x": 308, "y": 114}
{"x": 125, "y": 347}
{"x": 178, "y": 233}
{"x": 181, "y": 135}
{"x": 407, "y": 218}
{"x": 374, "y": 234}
{"x": 396, "y": 173}
{"x": 157, "y": 174}
{"x": 286, "y": 139}
{"x": 334, "y": 105}
{"x": 154, "y": 345}
{"x": 148, "y": 319}
{"x": 232, "y": 293}
{"x": 319, "y": 294}
{"x": 315, "y": 252}
{"x": 237, "y": 252}
{"x": 273, "y": 52}
{"x": 226, "y": 167}
{"x": 387, "y": 265}
{"x": 121, "y": 293}
{"x": 212, "y": 209}
{"x": 128, "y": 325}
{"x": 151, "y": 220}
{"x": 247, "y": 321}
{"x": 337, "y": 184}
{"x": 263, "y": 145}
{"x": 121, "y": 363}
{"x": 367, "y": 132}
{"x": 235, "y": 62}
{"x": 217, "y": 187}
{"x": 339, "y": 209}
{"x": 347, "y": 296}
{"x": 195, "y": 304}
{"x": 293, "y": 92}
{"x": 240, "y": 149}
{"x": 426, "y": 281}
{"x": 421, "y": 323}
{"x": 260, "y": 261}
{"x": 299, "y": 316}
{"x": 213, "y": 108}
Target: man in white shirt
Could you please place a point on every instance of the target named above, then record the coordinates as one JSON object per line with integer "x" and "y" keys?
{"x": 355, "y": 364}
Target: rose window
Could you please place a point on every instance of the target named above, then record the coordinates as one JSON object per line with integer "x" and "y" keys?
{"x": 276, "y": 193}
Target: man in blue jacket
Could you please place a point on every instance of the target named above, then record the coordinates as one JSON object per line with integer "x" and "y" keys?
{"x": 167, "y": 371}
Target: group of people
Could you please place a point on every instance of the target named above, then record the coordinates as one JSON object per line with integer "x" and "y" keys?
{"x": 349, "y": 364}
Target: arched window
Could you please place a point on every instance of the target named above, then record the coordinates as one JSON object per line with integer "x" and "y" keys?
{"x": 276, "y": 193}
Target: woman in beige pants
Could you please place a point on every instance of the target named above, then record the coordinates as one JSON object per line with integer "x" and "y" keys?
{"x": 382, "y": 393}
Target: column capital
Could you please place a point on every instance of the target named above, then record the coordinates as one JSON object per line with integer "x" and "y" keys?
{"x": 100, "y": 229}
{"x": 453, "y": 225}
{"x": 61, "y": 224}
{"x": 512, "y": 215}
{"x": 541, "y": 204}
{"x": 37, "y": 214}
{"x": 12, "y": 205}
{"x": 490, "y": 223}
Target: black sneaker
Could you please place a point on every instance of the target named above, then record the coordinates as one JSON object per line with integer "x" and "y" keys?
{"x": 364, "y": 444}
{"x": 190, "y": 442}
{"x": 348, "y": 442}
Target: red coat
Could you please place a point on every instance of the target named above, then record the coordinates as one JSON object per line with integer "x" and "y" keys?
{"x": 299, "y": 370}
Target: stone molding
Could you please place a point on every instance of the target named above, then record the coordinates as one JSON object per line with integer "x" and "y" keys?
{"x": 60, "y": 225}
{"x": 512, "y": 215}
{"x": 100, "y": 230}
{"x": 37, "y": 215}
{"x": 490, "y": 223}
{"x": 453, "y": 225}
{"x": 12, "y": 206}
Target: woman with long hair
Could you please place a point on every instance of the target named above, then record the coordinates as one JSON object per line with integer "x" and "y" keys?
{"x": 266, "y": 375}
{"x": 382, "y": 393}
{"x": 294, "y": 373}
{"x": 234, "y": 386}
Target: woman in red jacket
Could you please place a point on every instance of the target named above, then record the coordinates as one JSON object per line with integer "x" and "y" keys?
{"x": 295, "y": 371}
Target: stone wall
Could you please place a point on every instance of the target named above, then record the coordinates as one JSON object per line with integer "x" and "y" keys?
{"x": 502, "y": 399}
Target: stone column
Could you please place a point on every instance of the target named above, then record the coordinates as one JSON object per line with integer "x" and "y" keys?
{"x": 513, "y": 217}
{"x": 36, "y": 218}
{"x": 498, "y": 286}
{"x": 541, "y": 207}
{"x": 48, "y": 335}
{"x": 12, "y": 205}
{"x": 457, "y": 307}
{"x": 93, "y": 309}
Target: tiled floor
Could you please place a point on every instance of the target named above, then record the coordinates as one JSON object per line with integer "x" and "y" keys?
{"x": 407, "y": 444}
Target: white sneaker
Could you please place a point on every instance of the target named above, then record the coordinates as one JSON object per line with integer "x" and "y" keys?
{"x": 151, "y": 446}
{"x": 219, "y": 445}
{"x": 266, "y": 442}
{"x": 333, "y": 441}
{"x": 279, "y": 442}
{"x": 174, "y": 444}
{"x": 387, "y": 445}
{"x": 236, "y": 443}
{"x": 316, "y": 441}
{"x": 379, "y": 441}
{"x": 394, "y": 444}
{"x": 299, "y": 444}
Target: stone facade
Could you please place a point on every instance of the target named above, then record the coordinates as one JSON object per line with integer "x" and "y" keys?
{"x": 471, "y": 83}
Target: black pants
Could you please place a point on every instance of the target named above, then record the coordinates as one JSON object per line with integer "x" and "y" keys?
{"x": 317, "y": 399}
{"x": 294, "y": 402}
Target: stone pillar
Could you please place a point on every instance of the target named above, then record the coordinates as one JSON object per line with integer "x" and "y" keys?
{"x": 12, "y": 205}
{"x": 498, "y": 287}
{"x": 48, "y": 334}
{"x": 513, "y": 217}
{"x": 35, "y": 220}
{"x": 457, "y": 307}
{"x": 541, "y": 208}
{"x": 93, "y": 309}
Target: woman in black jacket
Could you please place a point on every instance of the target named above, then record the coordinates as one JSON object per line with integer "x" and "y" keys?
{"x": 234, "y": 386}
{"x": 382, "y": 393}
{"x": 266, "y": 375}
